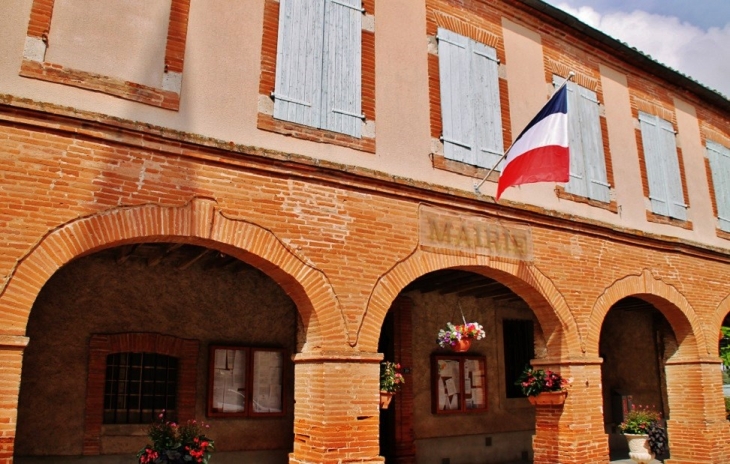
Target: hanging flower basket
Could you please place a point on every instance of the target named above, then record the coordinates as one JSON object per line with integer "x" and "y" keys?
{"x": 459, "y": 337}
{"x": 391, "y": 381}
{"x": 462, "y": 346}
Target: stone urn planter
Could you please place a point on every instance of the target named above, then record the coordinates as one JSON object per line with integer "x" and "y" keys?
{"x": 553, "y": 398}
{"x": 639, "y": 450}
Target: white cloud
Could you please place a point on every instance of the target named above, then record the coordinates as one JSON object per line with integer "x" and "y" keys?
{"x": 704, "y": 55}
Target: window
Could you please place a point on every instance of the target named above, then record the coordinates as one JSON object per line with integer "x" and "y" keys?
{"x": 587, "y": 160}
{"x": 318, "y": 64}
{"x": 519, "y": 349}
{"x": 245, "y": 382}
{"x": 719, "y": 157}
{"x": 138, "y": 387}
{"x": 459, "y": 384}
{"x": 470, "y": 106}
{"x": 662, "y": 167}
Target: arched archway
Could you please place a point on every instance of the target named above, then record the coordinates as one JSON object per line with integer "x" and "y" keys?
{"x": 525, "y": 280}
{"x": 198, "y": 222}
{"x": 677, "y": 351}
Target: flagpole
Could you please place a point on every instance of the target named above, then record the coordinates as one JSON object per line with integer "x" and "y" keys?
{"x": 571, "y": 74}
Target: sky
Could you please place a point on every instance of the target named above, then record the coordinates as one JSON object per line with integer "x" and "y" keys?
{"x": 689, "y": 36}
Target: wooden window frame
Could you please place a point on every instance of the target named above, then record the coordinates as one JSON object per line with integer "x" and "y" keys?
{"x": 718, "y": 184}
{"x": 439, "y": 382}
{"x": 249, "y": 382}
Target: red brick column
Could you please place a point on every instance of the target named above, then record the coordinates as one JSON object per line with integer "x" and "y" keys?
{"x": 696, "y": 428}
{"x": 336, "y": 410}
{"x": 573, "y": 433}
{"x": 405, "y": 446}
{"x": 11, "y": 361}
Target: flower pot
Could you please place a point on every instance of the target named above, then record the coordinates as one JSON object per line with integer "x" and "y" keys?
{"x": 462, "y": 345}
{"x": 385, "y": 398}
{"x": 554, "y": 398}
{"x": 639, "y": 450}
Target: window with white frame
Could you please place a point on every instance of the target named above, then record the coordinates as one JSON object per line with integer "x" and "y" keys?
{"x": 719, "y": 157}
{"x": 318, "y": 64}
{"x": 662, "y": 167}
{"x": 470, "y": 107}
{"x": 587, "y": 159}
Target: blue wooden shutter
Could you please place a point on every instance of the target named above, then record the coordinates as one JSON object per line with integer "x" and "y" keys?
{"x": 595, "y": 158}
{"x": 587, "y": 159}
{"x": 654, "y": 163}
{"x": 456, "y": 103}
{"x": 299, "y": 62}
{"x": 577, "y": 182}
{"x": 342, "y": 84}
{"x": 673, "y": 176}
{"x": 662, "y": 166}
{"x": 720, "y": 166}
{"x": 487, "y": 108}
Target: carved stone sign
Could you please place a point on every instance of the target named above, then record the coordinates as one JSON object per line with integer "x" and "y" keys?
{"x": 443, "y": 230}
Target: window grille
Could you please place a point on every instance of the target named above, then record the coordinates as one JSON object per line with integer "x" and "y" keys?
{"x": 138, "y": 387}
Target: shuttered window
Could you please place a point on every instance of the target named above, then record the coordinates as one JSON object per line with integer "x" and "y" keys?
{"x": 318, "y": 64}
{"x": 587, "y": 159}
{"x": 719, "y": 157}
{"x": 662, "y": 167}
{"x": 470, "y": 107}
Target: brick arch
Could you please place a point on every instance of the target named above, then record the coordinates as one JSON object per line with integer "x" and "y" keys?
{"x": 198, "y": 222}
{"x": 667, "y": 299}
{"x": 549, "y": 306}
{"x": 715, "y": 324}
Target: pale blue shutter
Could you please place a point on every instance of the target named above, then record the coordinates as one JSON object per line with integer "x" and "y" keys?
{"x": 720, "y": 166}
{"x": 673, "y": 176}
{"x": 595, "y": 158}
{"x": 297, "y": 95}
{"x": 577, "y": 181}
{"x": 587, "y": 159}
{"x": 456, "y": 108}
{"x": 662, "y": 167}
{"x": 341, "y": 88}
{"x": 487, "y": 108}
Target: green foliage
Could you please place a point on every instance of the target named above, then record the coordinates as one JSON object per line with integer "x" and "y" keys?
{"x": 176, "y": 443}
{"x": 725, "y": 346}
{"x": 535, "y": 381}
{"x": 639, "y": 420}
{"x": 391, "y": 379}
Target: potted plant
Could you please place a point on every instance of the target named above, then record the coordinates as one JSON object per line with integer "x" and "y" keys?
{"x": 644, "y": 432}
{"x": 459, "y": 337}
{"x": 176, "y": 443}
{"x": 391, "y": 381}
{"x": 543, "y": 386}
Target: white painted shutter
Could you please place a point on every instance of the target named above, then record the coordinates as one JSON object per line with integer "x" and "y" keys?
{"x": 673, "y": 176}
{"x": 720, "y": 166}
{"x": 341, "y": 69}
{"x": 654, "y": 163}
{"x": 587, "y": 159}
{"x": 456, "y": 108}
{"x": 298, "y": 92}
{"x": 595, "y": 158}
{"x": 486, "y": 104}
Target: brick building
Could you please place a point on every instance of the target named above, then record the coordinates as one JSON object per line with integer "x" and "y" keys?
{"x": 234, "y": 211}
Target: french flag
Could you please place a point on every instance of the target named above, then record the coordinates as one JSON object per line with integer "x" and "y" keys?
{"x": 540, "y": 153}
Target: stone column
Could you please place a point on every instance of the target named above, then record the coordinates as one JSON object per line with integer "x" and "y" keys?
{"x": 336, "y": 410}
{"x": 697, "y": 428}
{"x": 574, "y": 432}
{"x": 11, "y": 361}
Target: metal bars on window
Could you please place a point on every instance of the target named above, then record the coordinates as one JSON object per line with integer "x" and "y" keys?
{"x": 138, "y": 387}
